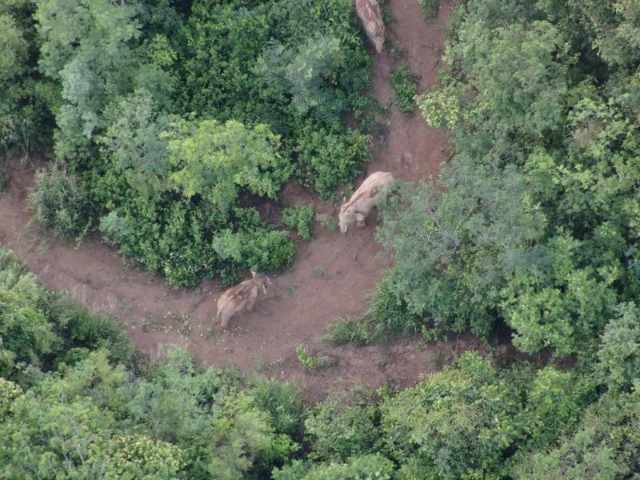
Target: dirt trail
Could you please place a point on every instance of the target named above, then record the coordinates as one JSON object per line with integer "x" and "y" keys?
{"x": 330, "y": 279}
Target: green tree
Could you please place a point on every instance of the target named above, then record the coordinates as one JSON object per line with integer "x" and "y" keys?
{"x": 606, "y": 445}
{"x": 25, "y": 98}
{"x": 53, "y": 426}
{"x": 619, "y": 353}
{"x": 204, "y": 413}
{"x": 355, "y": 468}
{"x": 456, "y": 248}
{"x": 306, "y": 71}
{"x": 87, "y": 47}
{"x": 459, "y": 423}
{"x": 213, "y": 161}
{"x": 339, "y": 429}
{"x": 25, "y": 333}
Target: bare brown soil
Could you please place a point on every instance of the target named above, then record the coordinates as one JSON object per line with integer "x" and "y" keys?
{"x": 330, "y": 279}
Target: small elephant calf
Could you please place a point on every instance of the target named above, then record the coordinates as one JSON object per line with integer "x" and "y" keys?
{"x": 241, "y": 297}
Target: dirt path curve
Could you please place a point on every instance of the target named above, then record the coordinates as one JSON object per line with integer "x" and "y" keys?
{"x": 330, "y": 279}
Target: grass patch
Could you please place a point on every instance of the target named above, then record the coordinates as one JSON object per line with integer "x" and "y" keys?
{"x": 405, "y": 85}
{"x": 313, "y": 362}
{"x": 350, "y": 332}
{"x": 282, "y": 401}
{"x": 327, "y": 221}
{"x": 319, "y": 271}
{"x": 429, "y": 8}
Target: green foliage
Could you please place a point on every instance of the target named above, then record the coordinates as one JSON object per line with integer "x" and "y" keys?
{"x": 214, "y": 161}
{"x": 92, "y": 62}
{"x": 319, "y": 271}
{"x": 389, "y": 310}
{"x": 555, "y": 402}
{"x": 281, "y": 400}
{"x": 327, "y": 221}
{"x": 350, "y": 332}
{"x": 532, "y": 222}
{"x": 452, "y": 262}
{"x": 9, "y": 391}
{"x": 259, "y": 249}
{"x": 53, "y": 425}
{"x": 137, "y": 455}
{"x": 458, "y": 424}
{"x": 429, "y": 8}
{"x": 82, "y": 332}
{"x": 305, "y": 72}
{"x": 442, "y": 107}
{"x": 339, "y": 431}
{"x": 134, "y": 145}
{"x": 25, "y": 334}
{"x": 60, "y": 203}
{"x": 25, "y": 99}
{"x": 619, "y": 354}
{"x": 543, "y": 316}
{"x": 327, "y": 159}
{"x": 605, "y": 446}
{"x": 404, "y": 84}
{"x": 202, "y": 412}
{"x": 14, "y": 47}
{"x": 113, "y": 229}
{"x": 527, "y": 93}
{"x": 310, "y": 361}
{"x": 173, "y": 187}
{"x": 299, "y": 219}
{"x": 365, "y": 466}
{"x": 165, "y": 187}
{"x": 39, "y": 330}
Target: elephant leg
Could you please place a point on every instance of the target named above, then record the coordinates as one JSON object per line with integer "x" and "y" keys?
{"x": 251, "y": 303}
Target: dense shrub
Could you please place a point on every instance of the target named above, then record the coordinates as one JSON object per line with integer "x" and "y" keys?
{"x": 459, "y": 423}
{"x": 60, "y": 203}
{"x": 404, "y": 84}
{"x": 40, "y": 330}
{"x": 299, "y": 219}
{"x": 327, "y": 159}
{"x": 26, "y": 336}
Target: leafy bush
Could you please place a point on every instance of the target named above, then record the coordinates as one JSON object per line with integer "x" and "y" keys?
{"x": 281, "y": 400}
{"x": 338, "y": 429}
{"x": 429, "y": 8}
{"x": 261, "y": 250}
{"x": 312, "y": 362}
{"x": 404, "y": 84}
{"x": 389, "y": 311}
{"x": 137, "y": 455}
{"x": 82, "y": 332}
{"x": 8, "y": 392}
{"x": 25, "y": 333}
{"x": 350, "y": 332}
{"x": 113, "y": 228}
{"x": 327, "y": 159}
{"x": 372, "y": 466}
{"x": 300, "y": 219}
{"x": 60, "y": 203}
{"x": 327, "y": 221}
{"x": 619, "y": 353}
{"x": 606, "y": 445}
{"x": 459, "y": 423}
